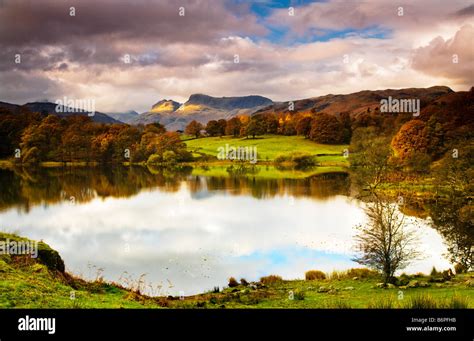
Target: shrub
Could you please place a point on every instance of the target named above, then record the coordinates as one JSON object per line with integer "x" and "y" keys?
{"x": 434, "y": 272}
{"x": 271, "y": 279}
{"x": 460, "y": 268}
{"x": 233, "y": 282}
{"x": 154, "y": 159}
{"x": 362, "y": 273}
{"x": 243, "y": 281}
{"x": 296, "y": 159}
{"x": 298, "y": 295}
{"x": 169, "y": 157}
{"x": 312, "y": 275}
{"x": 32, "y": 155}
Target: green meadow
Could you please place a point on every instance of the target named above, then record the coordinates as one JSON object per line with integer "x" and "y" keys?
{"x": 269, "y": 147}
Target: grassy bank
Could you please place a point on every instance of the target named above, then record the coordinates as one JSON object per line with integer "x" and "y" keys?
{"x": 42, "y": 283}
{"x": 269, "y": 147}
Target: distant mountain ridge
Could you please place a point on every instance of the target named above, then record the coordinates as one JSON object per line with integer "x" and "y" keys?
{"x": 202, "y": 108}
{"x": 49, "y": 108}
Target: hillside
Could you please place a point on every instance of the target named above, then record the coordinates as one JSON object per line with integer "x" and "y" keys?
{"x": 357, "y": 103}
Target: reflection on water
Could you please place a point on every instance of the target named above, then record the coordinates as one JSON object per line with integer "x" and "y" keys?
{"x": 189, "y": 233}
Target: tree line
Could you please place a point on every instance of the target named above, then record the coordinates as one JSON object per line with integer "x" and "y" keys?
{"x": 32, "y": 137}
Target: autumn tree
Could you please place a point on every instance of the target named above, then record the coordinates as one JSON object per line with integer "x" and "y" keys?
{"x": 233, "y": 127}
{"x": 303, "y": 126}
{"x": 410, "y": 138}
{"x": 326, "y": 129}
{"x": 194, "y": 129}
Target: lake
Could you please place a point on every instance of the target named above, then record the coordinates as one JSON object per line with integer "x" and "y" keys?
{"x": 182, "y": 232}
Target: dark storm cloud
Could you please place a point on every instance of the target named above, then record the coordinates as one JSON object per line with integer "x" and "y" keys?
{"x": 102, "y": 31}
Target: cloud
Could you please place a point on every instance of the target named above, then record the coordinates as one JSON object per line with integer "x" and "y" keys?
{"x": 452, "y": 58}
{"x": 368, "y": 47}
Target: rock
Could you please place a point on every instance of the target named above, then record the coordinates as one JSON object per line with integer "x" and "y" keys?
{"x": 332, "y": 291}
{"x": 469, "y": 283}
{"x": 355, "y": 278}
{"x": 403, "y": 287}
{"x": 413, "y": 284}
{"x": 323, "y": 289}
{"x": 348, "y": 288}
{"x": 390, "y": 286}
{"x": 439, "y": 285}
{"x": 424, "y": 284}
{"x": 380, "y": 285}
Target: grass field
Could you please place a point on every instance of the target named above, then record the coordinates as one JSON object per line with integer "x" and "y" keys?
{"x": 29, "y": 283}
{"x": 268, "y": 146}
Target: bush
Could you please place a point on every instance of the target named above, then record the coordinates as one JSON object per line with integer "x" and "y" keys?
{"x": 272, "y": 279}
{"x": 434, "y": 272}
{"x": 243, "y": 281}
{"x": 233, "y": 282}
{"x": 312, "y": 275}
{"x": 169, "y": 157}
{"x": 32, "y": 155}
{"x": 362, "y": 273}
{"x": 298, "y": 295}
{"x": 154, "y": 159}
{"x": 296, "y": 159}
{"x": 460, "y": 268}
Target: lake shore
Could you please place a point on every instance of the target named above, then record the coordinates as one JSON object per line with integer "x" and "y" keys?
{"x": 42, "y": 282}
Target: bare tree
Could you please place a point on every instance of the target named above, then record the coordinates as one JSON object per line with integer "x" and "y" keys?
{"x": 385, "y": 243}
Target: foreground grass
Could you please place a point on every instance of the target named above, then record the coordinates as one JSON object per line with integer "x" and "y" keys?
{"x": 271, "y": 146}
{"x": 36, "y": 283}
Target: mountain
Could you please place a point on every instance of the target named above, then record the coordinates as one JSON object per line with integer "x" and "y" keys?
{"x": 125, "y": 117}
{"x": 49, "y": 108}
{"x": 357, "y": 103}
{"x": 202, "y": 108}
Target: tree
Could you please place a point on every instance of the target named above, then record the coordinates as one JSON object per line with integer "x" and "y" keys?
{"x": 369, "y": 158}
{"x": 221, "y": 124}
{"x": 303, "y": 126}
{"x": 233, "y": 127}
{"x": 385, "y": 243}
{"x": 213, "y": 128}
{"x": 255, "y": 127}
{"x": 326, "y": 128}
{"x": 194, "y": 128}
{"x": 410, "y": 138}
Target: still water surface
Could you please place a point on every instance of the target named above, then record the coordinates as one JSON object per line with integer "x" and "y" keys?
{"x": 190, "y": 233}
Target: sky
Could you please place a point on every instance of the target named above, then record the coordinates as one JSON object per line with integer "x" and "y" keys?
{"x": 128, "y": 55}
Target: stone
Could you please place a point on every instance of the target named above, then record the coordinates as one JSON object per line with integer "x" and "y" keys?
{"x": 348, "y": 288}
{"x": 323, "y": 289}
{"x": 413, "y": 284}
